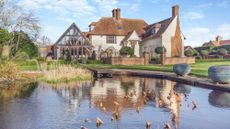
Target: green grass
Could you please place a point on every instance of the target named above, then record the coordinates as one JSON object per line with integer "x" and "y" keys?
{"x": 199, "y": 69}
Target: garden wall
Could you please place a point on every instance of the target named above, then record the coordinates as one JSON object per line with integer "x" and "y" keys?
{"x": 178, "y": 60}
{"x": 123, "y": 60}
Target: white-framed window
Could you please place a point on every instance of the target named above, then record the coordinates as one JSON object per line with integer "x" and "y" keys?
{"x": 111, "y": 39}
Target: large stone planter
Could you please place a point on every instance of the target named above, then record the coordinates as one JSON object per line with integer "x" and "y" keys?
{"x": 219, "y": 74}
{"x": 181, "y": 69}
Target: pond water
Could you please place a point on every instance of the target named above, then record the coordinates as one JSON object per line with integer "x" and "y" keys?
{"x": 134, "y": 100}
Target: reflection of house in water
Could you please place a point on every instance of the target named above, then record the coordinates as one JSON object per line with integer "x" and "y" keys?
{"x": 73, "y": 92}
{"x": 162, "y": 93}
{"x": 107, "y": 91}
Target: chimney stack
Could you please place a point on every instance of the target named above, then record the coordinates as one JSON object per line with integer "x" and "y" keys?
{"x": 175, "y": 10}
{"x": 116, "y": 13}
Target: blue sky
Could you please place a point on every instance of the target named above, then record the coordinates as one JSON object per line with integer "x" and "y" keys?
{"x": 201, "y": 20}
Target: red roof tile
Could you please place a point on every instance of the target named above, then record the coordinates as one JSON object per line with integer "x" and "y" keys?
{"x": 162, "y": 25}
{"x": 122, "y": 26}
{"x": 225, "y": 42}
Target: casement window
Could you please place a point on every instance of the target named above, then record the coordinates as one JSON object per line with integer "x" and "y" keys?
{"x": 111, "y": 39}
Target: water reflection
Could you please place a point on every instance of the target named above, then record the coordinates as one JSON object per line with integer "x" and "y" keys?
{"x": 129, "y": 101}
{"x": 20, "y": 90}
{"x": 219, "y": 99}
{"x": 72, "y": 92}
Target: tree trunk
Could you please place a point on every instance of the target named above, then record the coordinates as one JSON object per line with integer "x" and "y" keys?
{"x": 18, "y": 40}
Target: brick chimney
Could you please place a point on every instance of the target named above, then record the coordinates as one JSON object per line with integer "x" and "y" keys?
{"x": 175, "y": 10}
{"x": 116, "y": 13}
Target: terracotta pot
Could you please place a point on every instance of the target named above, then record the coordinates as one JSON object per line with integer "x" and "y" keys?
{"x": 219, "y": 74}
{"x": 181, "y": 69}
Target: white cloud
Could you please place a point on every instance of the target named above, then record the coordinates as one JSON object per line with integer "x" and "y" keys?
{"x": 192, "y": 16}
{"x": 60, "y": 7}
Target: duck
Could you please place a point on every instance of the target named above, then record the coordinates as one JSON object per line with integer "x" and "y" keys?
{"x": 194, "y": 105}
{"x": 116, "y": 115}
{"x": 112, "y": 119}
{"x": 148, "y": 125}
{"x": 82, "y": 127}
{"x": 87, "y": 120}
{"x": 116, "y": 103}
{"x": 99, "y": 121}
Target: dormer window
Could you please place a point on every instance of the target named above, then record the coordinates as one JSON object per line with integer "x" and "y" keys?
{"x": 119, "y": 28}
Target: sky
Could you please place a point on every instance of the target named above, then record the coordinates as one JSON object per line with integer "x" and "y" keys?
{"x": 201, "y": 20}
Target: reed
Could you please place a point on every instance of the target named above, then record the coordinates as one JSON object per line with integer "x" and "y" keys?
{"x": 65, "y": 73}
{"x": 9, "y": 71}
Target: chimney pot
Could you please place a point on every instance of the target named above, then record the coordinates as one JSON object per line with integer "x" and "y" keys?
{"x": 116, "y": 13}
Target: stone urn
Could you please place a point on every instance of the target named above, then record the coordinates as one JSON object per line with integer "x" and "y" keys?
{"x": 181, "y": 69}
{"x": 220, "y": 73}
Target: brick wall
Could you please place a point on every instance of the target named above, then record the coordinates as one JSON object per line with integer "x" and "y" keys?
{"x": 123, "y": 61}
{"x": 178, "y": 60}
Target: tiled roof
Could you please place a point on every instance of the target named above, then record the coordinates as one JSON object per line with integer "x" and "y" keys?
{"x": 119, "y": 27}
{"x": 225, "y": 42}
{"x": 161, "y": 29}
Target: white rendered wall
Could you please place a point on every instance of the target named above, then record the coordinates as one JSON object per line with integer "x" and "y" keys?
{"x": 149, "y": 45}
{"x": 167, "y": 36}
{"x": 99, "y": 41}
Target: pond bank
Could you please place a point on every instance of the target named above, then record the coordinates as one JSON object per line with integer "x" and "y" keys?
{"x": 194, "y": 81}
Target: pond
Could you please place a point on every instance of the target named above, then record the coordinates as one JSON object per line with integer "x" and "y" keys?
{"x": 120, "y": 102}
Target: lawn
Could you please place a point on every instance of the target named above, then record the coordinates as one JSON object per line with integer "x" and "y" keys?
{"x": 199, "y": 69}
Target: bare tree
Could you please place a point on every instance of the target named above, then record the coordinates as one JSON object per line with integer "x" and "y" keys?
{"x": 28, "y": 23}
{"x": 45, "y": 40}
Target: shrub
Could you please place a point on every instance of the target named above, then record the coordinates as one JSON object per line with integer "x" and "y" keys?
{"x": 94, "y": 57}
{"x": 204, "y": 52}
{"x": 21, "y": 56}
{"x": 68, "y": 56}
{"x": 9, "y": 71}
{"x": 125, "y": 50}
{"x": 160, "y": 50}
{"x": 25, "y": 45}
{"x": 189, "y": 53}
{"x": 83, "y": 60}
{"x": 222, "y": 51}
{"x": 227, "y": 47}
{"x": 41, "y": 59}
{"x": 210, "y": 48}
{"x": 94, "y": 62}
{"x": 61, "y": 58}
